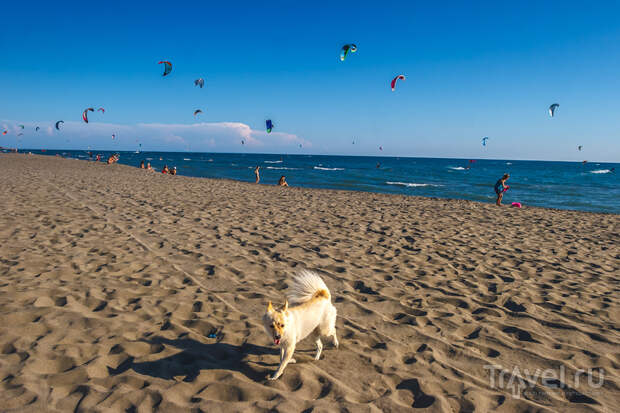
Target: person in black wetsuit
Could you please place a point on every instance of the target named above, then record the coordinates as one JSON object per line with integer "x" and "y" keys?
{"x": 500, "y": 188}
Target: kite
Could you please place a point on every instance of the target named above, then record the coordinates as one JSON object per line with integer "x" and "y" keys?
{"x": 58, "y": 124}
{"x": 484, "y": 141}
{"x": 399, "y": 77}
{"x": 102, "y": 110}
{"x": 380, "y": 148}
{"x": 242, "y": 142}
{"x": 21, "y": 126}
{"x": 5, "y": 132}
{"x": 113, "y": 135}
{"x": 197, "y": 111}
{"x": 85, "y": 114}
{"x": 346, "y": 49}
{"x": 199, "y": 82}
{"x": 269, "y": 125}
{"x": 167, "y": 67}
{"x": 37, "y": 129}
{"x": 552, "y": 109}
{"x": 579, "y": 147}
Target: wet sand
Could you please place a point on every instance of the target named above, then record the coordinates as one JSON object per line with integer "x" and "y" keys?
{"x": 113, "y": 279}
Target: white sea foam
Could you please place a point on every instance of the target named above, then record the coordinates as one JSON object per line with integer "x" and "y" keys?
{"x": 328, "y": 169}
{"x": 411, "y": 184}
{"x": 273, "y": 161}
{"x": 282, "y": 167}
{"x": 457, "y": 168}
{"x": 601, "y": 171}
{"x": 508, "y": 163}
{"x": 187, "y": 159}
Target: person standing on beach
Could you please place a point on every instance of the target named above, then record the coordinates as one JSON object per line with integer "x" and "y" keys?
{"x": 142, "y": 165}
{"x": 257, "y": 174}
{"x": 500, "y": 188}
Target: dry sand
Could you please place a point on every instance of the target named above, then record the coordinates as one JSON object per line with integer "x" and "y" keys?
{"x": 112, "y": 279}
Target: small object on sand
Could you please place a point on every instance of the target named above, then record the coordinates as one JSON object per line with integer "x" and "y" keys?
{"x": 212, "y": 335}
{"x": 516, "y": 204}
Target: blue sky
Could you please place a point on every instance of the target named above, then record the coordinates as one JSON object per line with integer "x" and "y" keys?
{"x": 473, "y": 70}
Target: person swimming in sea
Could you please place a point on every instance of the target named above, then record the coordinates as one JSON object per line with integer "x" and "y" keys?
{"x": 500, "y": 188}
{"x": 282, "y": 181}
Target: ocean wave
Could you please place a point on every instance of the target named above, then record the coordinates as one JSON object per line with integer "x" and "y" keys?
{"x": 328, "y": 169}
{"x": 282, "y": 167}
{"x": 187, "y": 159}
{"x": 508, "y": 163}
{"x": 601, "y": 171}
{"x": 457, "y": 168}
{"x": 410, "y": 184}
{"x": 273, "y": 161}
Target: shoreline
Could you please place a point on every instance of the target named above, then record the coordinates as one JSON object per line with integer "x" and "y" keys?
{"x": 249, "y": 181}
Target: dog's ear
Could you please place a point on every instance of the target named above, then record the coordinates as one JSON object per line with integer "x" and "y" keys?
{"x": 285, "y": 306}
{"x": 269, "y": 307}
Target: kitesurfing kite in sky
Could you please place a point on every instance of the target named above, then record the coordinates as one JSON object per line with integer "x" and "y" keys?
{"x": 197, "y": 111}
{"x": 269, "y": 125}
{"x": 167, "y": 67}
{"x": 85, "y": 114}
{"x": 346, "y": 49}
{"x": 393, "y": 84}
{"x": 552, "y": 109}
{"x": 58, "y": 124}
{"x": 484, "y": 141}
{"x": 199, "y": 82}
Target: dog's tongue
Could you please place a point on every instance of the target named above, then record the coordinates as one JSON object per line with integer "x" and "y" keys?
{"x": 276, "y": 341}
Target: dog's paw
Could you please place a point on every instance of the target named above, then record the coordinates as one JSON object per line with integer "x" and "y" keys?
{"x": 293, "y": 361}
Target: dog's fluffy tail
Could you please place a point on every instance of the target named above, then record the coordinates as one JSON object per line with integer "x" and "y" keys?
{"x": 305, "y": 286}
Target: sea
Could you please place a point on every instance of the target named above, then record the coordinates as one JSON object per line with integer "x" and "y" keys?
{"x": 592, "y": 186}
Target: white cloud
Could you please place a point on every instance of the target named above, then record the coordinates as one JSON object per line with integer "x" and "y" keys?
{"x": 203, "y": 136}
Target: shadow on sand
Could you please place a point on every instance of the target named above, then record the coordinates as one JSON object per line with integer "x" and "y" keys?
{"x": 196, "y": 356}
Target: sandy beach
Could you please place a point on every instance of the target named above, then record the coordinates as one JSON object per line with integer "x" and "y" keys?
{"x": 124, "y": 290}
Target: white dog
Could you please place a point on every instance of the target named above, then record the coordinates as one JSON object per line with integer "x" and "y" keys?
{"x": 311, "y": 314}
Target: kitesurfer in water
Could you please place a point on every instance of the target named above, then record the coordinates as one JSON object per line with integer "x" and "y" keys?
{"x": 500, "y": 188}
